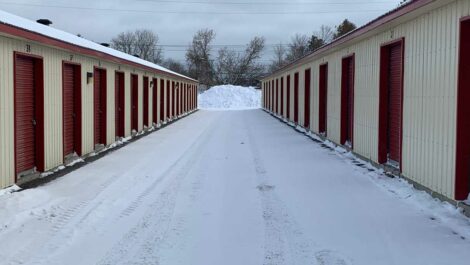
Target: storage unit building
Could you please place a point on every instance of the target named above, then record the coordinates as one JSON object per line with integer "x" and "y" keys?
{"x": 63, "y": 96}
{"x": 395, "y": 92}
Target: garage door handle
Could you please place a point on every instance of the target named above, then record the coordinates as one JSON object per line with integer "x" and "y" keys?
{"x": 34, "y": 122}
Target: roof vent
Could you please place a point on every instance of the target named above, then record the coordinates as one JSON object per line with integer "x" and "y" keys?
{"x": 44, "y": 21}
{"x": 105, "y": 44}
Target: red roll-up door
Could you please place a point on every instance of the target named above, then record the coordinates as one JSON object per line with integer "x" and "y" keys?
{"x": 395, "y": 103}
{"x": 350, "y": 100}
{"x": 134, "y": 102}
{"x": 183, "y": 104}
{"x": 186, "y": 86}
{"x": 276, "y": 97}
{"x": 168, "y": 99}
{"x": 173, "y": 100}
{"x": 162, "y": 99}
{"x": 71, "y": 109}
{"x": 178, "y": 95}
{"x": 273, "y": 97}
{"x": 288, "y": 97}
{"x": 155, "y": 100}
{"x": 307, "y": 99}
{"x": 182, "y": 99}
{"x": 462, "y": 159}
{"x": 119, "y": 104}
{"x": 296, "y": 98}
{"x": 25, "y": 114}
{"x": 323, "y": 89}
{"x": 347, "y": 101}
{"x": 282, "y": 96}
{"x": 146, "y": 101}
{"x": 99, "y": 104}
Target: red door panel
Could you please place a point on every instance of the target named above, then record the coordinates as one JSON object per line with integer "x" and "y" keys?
{"x": 25, "y": 114}
{"x": 168, "y": 99}
{"x": 350, "y": 101}
{"x": 395, "y": 103}
{"x": 146, "y": 101}
{"x": 185, "y": 98}
{"x": 99, "y": 103}
{"x": 276, "y": 97}
{"x": 323, "y": 99}
{"x": 307, "y": 99}
{"x": 119, "y": 104}
{"x": 462, "y": 170}
{"x": 155, "y": 101}
{"x": 134, "y": 102}
{"x": 177, "y": 93}
{"x": 296, "y": 98}
{"x": 347, "y": 101}
{"x": 282, "y": 96}
{"x": 71, "y": 109}
{"x": 273, "y": 97}
{"x": 162, "y": 99}
{"x": 288, "y": 97}
{"x": 173, "y": 95}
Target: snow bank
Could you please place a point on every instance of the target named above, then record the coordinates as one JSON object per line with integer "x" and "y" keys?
{"x": 228, "y": 97}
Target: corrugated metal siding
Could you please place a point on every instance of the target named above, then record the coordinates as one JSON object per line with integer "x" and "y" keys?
{"x": 430, "y": 83}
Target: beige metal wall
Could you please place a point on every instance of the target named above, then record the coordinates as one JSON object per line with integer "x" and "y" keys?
{"x": 430, "y": 85}
{"x": 53, "y": 141}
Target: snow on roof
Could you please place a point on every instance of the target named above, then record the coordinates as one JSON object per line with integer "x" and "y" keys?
{"x": 32, "y": 26}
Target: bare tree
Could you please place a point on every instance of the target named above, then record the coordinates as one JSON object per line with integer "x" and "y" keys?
{"x": 279, "y": 57}
{"x": 298, "y": 47}
{"x": 124, "y": 42}
{"x": 198, "y": 56}
{"x": 252, "y": 70}
{"x": 326, "y": 33}
{"x": 227, "y": 66}
{"x": 142, "y": 43}
{"x": 146, "y": 46}
{"x": 240, "y": 68}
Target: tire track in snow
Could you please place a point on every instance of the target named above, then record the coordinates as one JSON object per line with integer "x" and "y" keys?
{"x": 71, "y": 218}
{"x": 285, "y": 242}
{"x": 282, "y": 241}
{"x": 56, "y": 227}
{"x": 140, "y": 245}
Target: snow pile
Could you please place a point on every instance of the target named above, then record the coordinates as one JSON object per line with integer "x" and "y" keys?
{"x": 228, "y": 97}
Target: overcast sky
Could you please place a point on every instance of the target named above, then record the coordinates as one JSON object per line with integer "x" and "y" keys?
{"x": 175, "y": 21}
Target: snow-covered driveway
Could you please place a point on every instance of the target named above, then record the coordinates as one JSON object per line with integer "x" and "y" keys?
{"x": 219, "y": 188}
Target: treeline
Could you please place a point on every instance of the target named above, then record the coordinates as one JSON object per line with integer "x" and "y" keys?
{"x": 227, "y": 65}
